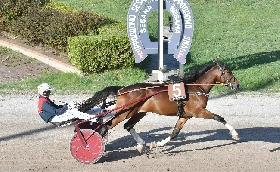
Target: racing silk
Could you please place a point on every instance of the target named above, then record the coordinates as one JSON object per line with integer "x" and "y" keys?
{"x": 48, "y": 109}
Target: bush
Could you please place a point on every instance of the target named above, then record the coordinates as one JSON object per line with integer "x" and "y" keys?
{"x": 93, "y": 55}
{"x": 61, "y": 7}
{"x": 108, "y": 51}
{"x": 47, "y": 26}
{"x": 13, "y": 9}
{"x": 52, "y": 28}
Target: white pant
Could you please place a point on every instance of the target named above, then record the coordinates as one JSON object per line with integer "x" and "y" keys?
{"x": 71, "y": 114}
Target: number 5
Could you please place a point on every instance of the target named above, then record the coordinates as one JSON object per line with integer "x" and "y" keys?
{"x": 176, "y": 88}
{"x": 176, "y": 91}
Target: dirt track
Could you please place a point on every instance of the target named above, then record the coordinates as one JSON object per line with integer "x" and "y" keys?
{"x": 29, "y": 144}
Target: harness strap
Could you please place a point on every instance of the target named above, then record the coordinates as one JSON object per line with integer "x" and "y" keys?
{"x": 200, "y": 93}
{"x": 180, "y": 110}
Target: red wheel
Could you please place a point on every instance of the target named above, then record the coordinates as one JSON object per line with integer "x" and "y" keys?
{"x": 93, "y": 150}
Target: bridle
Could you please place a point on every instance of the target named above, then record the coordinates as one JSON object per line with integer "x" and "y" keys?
{"x": 231, "y": 85}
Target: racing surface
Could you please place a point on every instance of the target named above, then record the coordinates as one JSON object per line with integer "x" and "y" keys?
{"x": 29, "y": 144}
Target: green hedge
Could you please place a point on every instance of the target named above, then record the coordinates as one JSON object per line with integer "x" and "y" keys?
{"x": 46, "y": 26}
{"x": 13, "y": 9}
{"x": 61, "y": 7}
{"x": 54, "y": 25}
{"x": 108, "y": 51}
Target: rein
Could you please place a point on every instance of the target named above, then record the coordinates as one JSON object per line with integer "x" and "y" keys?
{"x": 218, "y": 84}
{"x": 146, "y": 88}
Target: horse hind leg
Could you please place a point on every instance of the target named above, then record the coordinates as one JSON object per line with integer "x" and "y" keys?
{"x": 140, "y": 142}
{"x": 129, "y": 127}
{"x": 179, "y": 125}
{"x": 233, "y": 133}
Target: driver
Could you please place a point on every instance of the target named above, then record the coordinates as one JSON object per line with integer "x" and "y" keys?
{"x": 58, "y": 114}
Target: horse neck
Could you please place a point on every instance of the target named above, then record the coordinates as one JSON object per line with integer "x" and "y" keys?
{"x": 207, "y": 78}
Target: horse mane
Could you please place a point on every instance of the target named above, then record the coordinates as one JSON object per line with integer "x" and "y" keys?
{"x": 195, "y": 75}
{"x": 188, "y": 78}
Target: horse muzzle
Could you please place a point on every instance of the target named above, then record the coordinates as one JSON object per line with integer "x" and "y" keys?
{"x": 233, "y": 86}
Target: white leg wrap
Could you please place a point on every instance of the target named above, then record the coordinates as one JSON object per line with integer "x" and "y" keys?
{"x": 234, "y": 133}
{"x": 231, "y": 129}
{"x": 229, "y": 126}
{"x": 163, "y": 142}
{"x": 136, "y": 137}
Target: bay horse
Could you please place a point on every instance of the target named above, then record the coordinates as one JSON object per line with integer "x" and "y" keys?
{"x": 138, "y": 99}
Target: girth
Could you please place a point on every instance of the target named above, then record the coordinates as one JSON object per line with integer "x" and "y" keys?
{"x": 180, "y": 110}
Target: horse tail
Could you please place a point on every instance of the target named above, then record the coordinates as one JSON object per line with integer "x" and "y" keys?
{"x": 99, "y": 97}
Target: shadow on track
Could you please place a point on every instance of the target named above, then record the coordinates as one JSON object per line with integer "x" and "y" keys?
{"x": 26, "y": 133}
{"x": 264, "y": 134}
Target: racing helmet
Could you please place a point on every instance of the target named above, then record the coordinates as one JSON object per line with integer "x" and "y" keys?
{"x": 43, "y": 88}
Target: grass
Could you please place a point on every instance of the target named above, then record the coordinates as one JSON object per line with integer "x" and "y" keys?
{"x": 244, "y": 34}
{"x": 70, "y": 83}
{"x": 13, "y": 58}
{"x": 67, "y": 83}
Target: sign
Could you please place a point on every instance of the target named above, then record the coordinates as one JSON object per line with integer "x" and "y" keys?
{"x": 183, "y": 26}
{"x": 176, "y": 91}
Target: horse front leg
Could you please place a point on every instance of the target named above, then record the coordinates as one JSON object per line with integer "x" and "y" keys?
{"x": 232, "y": 131}
{"x": 179, "y": 125}
{"x": 208, "y": 115}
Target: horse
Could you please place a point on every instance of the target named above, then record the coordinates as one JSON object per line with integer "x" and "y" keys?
{"x": 133, "y": 102}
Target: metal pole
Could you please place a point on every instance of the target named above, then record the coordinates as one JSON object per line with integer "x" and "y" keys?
{"x": 160, "y": 41}
{"x": 181, "y": 70}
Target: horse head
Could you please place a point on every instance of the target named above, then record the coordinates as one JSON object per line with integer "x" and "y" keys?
{"x": 226, "y": 76}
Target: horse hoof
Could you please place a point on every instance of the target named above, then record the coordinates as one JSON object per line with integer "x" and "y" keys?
{"x": 153, "y": 145}
{"x": 140, "y": 148}
{"x": 235, "y": 137}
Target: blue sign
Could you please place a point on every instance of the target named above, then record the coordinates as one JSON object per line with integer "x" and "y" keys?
{"x": 183, "y": 26}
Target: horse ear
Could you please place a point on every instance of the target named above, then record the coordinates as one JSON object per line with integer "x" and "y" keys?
{"x": 218, "y": 62}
